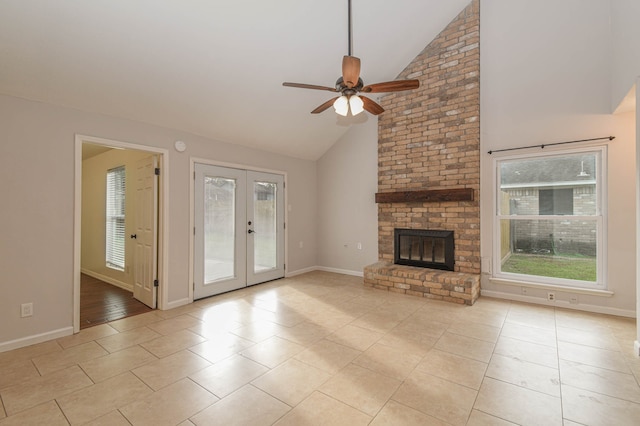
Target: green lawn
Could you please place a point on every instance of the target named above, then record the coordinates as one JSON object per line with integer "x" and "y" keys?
{"x": 573, "y": 268}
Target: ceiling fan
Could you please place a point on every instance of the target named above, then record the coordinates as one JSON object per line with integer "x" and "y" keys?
{"x": 350, "y": 85}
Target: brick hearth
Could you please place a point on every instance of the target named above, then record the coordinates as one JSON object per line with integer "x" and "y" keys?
{"x": 456, "y": 287}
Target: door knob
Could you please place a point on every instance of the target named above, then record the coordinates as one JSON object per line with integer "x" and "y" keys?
{"x": 251, "y": 231}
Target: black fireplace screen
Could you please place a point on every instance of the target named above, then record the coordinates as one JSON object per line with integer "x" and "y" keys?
{"x": 424, "y": 248}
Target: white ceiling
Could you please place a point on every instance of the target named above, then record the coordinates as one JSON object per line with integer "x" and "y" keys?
{"x": 211, "y": 67}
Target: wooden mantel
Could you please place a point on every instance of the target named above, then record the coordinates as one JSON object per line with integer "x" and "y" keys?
{"x": 425, "y": 196}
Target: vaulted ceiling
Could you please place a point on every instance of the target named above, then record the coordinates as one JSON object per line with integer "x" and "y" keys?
{"x": 210, "y": 67}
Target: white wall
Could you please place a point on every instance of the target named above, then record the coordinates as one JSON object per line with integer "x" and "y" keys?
{"x": 637, "y": 112}
{"x": 36, "y": 218}
{"x": 626, "y": 49}
{"x": 626, "y": 72}
{"x": 348, "y": 214}
{"x": 546, "y": 77}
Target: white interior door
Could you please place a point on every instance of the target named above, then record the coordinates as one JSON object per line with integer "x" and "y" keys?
{"x": 146, "y": 236}
{"x": 232, "y": 208}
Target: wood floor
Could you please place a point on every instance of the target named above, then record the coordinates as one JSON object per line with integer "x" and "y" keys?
{"x": 101, "y": 302}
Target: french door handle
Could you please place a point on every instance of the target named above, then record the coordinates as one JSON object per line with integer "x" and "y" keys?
{"x": 134, "y": 236}
{"x": 251, "y": 231}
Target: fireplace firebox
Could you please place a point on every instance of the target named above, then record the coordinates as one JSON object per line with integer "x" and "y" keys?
{"x": 424, "y": 248}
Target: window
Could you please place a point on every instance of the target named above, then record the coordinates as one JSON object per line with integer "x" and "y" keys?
{"x": 115, "y": 218}
{"x": 558, "y": 201}
{"x": 549, "y": 218}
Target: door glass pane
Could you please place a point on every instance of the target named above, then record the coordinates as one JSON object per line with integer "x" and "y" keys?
{"x": 438, "y": 250}
{"x": 410, "y": 247}
{"x": 427, "y": 249}
{"x": 219, "y": 228}
{"x": 264, "y": 216}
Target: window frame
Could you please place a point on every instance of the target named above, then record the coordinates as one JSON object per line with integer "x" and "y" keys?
{"x": 600, "y": 217}
{"x": 115, "y": 238}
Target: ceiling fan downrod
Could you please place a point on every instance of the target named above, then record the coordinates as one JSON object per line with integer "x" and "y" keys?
{"x": 350, "y": 47}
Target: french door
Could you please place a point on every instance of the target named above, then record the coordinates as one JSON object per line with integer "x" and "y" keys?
{"x": 239, "y": 229}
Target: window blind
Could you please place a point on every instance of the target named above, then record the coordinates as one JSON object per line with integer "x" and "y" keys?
{"x": 115, "y": 218}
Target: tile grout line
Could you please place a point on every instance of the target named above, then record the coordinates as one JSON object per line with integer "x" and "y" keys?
{"x": 55, "y": 400}
{"x": 484, "y": 375}
{"x": 560, "y": 384}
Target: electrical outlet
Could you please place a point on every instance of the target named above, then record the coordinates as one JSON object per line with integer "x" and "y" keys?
{"x": 524, "y": 290}
{"x": 26, "y": 310}
{"x": 359, "y": 246}
{"x": 551, "y": 297}
{"x": 573, "y": 299}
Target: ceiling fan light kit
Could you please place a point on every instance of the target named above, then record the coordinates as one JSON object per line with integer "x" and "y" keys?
{"x": 350, "y": 85}
{"x": 356, "y": 104}
{"x": 341, "y": 105}
{"x": 352, "y": 103}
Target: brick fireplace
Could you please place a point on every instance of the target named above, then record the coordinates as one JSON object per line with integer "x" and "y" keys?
{"x": 429, "y": 164}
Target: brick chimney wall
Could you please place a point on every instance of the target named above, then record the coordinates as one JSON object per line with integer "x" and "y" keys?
{"x": 429, "y": 138}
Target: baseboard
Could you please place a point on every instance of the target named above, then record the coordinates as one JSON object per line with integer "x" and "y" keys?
{"x": 300, "y": 271}
{"x": 341, "y": 271}
{"x": 560, "y": 304}
{"x": 107, "y": 279}
{"x": 324, "y": 269}
{"x": 37, "y": 338}
{"x": 177, "y": 303}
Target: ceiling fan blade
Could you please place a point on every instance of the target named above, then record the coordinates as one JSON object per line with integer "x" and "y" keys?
{"x": 391, "y": 86}
{"x": 350, "y": 71}
{"x": 309, "y": 86}
{"x": 371, "y": 106}
{"x": 324, "y": 106}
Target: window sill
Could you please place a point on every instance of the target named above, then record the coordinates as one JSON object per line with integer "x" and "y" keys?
{"x": 563, "y": 288}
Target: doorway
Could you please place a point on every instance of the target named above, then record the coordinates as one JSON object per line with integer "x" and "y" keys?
{"x": 239, "y": 228}
{"x": 122, "y": 248}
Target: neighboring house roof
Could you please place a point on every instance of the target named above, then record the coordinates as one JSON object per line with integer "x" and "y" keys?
{"x": 571, "y": 170}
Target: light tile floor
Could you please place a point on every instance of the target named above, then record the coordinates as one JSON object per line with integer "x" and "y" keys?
{"x": 321, "y": 349}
